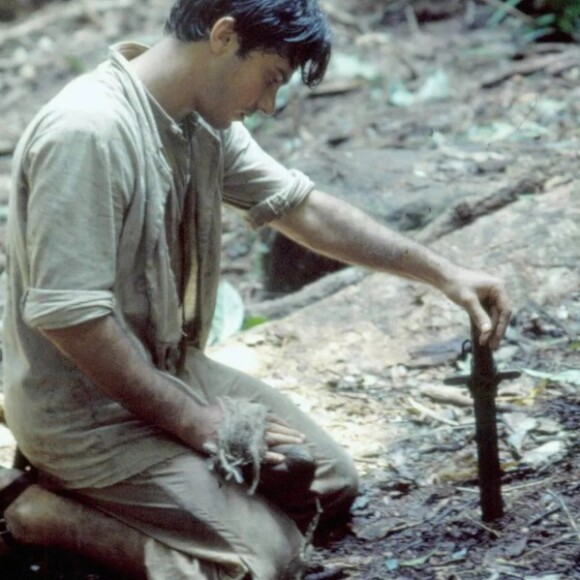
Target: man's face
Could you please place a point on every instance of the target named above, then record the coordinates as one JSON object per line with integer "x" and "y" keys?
{"x": 243, "y": 86}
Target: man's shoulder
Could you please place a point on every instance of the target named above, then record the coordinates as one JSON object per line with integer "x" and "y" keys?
{"x": 235, "y": 137}
{"x": 96, "y": 98}
{"x": 90, "y": 104}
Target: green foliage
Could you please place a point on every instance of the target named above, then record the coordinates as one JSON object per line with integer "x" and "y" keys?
{"x": 75, "y": 64}
{"x": 561, "y": 16}
{"x": 253, "y": 321}
{"x": 549, "y": 18}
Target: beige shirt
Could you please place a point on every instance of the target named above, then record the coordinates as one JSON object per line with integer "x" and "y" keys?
{"x": 113, "y": 206}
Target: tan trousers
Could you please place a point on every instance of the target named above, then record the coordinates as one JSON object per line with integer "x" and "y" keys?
{"x": 203, "y": 528}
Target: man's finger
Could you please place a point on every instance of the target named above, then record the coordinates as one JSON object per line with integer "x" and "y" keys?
{"x": 276, "y": 419}
{"x": 274, "y": 458}
{"x": 274, "y": 438}
{"x": 501, "y": 314}
{"x": 283, "y": 430}
{"x": 502, "y": 319}
{"x": 481, "y": 320}
{"x": 278, "y": 425}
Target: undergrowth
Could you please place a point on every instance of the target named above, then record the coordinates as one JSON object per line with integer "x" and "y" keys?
{"x": 543, "y": 20}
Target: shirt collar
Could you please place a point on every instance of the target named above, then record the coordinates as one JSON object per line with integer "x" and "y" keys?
{"x": 125, "y": 51}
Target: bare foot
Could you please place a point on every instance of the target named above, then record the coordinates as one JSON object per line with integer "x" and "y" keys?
{"x": 45, "y": 519}
{"x": 24, "y": 515}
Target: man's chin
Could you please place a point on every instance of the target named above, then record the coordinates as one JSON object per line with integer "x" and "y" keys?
{"x": 218, "y": 123}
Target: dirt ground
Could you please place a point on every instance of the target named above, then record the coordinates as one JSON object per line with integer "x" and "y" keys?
{"x": 455, "y": 131}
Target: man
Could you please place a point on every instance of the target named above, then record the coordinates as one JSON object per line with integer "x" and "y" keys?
{"x": 113, "y": 266}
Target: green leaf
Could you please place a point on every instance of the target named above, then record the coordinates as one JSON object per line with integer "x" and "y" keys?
{"x": 534, "y": 34}
{"x": 253, "y": 321}
{"x": 501, "y": 13}
{"x": 548, "y": 16}
{"x": 545, "y": 20}
{"x": 76, "y": 65}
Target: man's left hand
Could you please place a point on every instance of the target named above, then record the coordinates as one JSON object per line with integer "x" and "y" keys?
{"x": 485, "y": 299}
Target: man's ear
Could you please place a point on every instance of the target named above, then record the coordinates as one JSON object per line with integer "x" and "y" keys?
{"x": 222, "y": 37}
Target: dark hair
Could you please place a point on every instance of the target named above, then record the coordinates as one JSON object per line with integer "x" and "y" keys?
{"x": 295, "y": 29}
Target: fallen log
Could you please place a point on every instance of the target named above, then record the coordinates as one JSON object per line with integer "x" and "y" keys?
{"x": 553, "y": 64}
{"x": 314, "y": 292}
{"x": 468, "y": 209}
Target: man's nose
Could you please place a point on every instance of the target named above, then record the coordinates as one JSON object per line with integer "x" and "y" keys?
{"x": 267, "y": 104}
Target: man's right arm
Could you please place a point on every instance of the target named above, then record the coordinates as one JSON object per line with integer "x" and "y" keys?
{"x": 105, "y": 354}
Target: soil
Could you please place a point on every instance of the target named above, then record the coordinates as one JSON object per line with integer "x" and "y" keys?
{"x": 464, "y": 136}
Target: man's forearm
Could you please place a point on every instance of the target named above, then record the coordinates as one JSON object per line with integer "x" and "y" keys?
{"x": 105, "y": 354}
{"x": 336, "y": 229}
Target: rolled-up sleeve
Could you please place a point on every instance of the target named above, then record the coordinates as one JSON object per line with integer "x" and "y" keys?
{"x": 257, "y": 184}
{"x": 73, "y": 218}
{"x": 60, "y": 308}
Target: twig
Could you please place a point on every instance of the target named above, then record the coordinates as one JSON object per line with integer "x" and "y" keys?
{"x": 567, "y": 511}
{"x": 543, "y": 547}
{"x": 539, "y": 518}
{"x": 507, "y": 489}
{"x": 526, "y": 485}
{"x": 510, "y": 10}
{"x": 513, "y": 565}
{"x": 486, "y": 528}
{"x": 429, "y": 413}
{"x": 369, "y": 460}
{"x": 452, "y": 396}
{"x": 468, "y": 425}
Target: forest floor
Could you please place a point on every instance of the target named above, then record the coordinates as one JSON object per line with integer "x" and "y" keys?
{"x": 465, "y": 137}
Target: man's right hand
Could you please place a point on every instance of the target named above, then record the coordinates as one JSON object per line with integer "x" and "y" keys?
{"x": 278, "y": 431}
{"x": 102, "y": 351}
{"x": 207, "y": 424}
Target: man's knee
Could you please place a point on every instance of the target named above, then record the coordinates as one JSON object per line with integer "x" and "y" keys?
{"x": 350, "y": 487}
{"x": 338, "y": 492}
{"x": 278, "y": 557}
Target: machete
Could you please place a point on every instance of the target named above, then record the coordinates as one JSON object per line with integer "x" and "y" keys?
{"x": 482, "y": 384}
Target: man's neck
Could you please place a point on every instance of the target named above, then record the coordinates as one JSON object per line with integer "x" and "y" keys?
{"x": 167, "y": 71}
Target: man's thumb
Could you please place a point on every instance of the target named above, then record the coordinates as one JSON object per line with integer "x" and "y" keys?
{"x": 482, "y": 322}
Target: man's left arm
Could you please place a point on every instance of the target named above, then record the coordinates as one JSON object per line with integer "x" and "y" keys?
{"x": 334, "y": 228}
